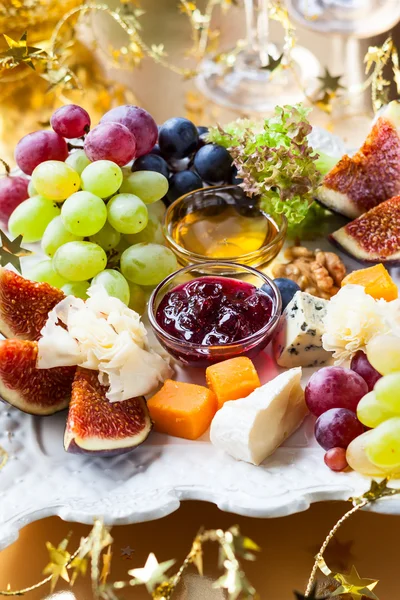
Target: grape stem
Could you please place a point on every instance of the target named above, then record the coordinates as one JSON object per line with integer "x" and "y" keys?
{"x": 6, "y": 166}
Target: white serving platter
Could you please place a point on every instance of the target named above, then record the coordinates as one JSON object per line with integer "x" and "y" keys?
{"x": 40, "y": 479}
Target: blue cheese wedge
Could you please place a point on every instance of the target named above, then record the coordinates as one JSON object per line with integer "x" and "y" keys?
{"x": 298, "y": 339}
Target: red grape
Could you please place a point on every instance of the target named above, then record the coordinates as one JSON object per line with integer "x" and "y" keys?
{"x": 110, "y": 141}
{"x": 70, "y": 121}
{"x": 336, "y": 428}
{"x": 334, "y": 387}
{"x": 13, "y": 191}
{"x": 139, "y": 122}
{"x": 336, "y": 459}
{"x": 361, "y": 365}
{"x": 37, "y": 147}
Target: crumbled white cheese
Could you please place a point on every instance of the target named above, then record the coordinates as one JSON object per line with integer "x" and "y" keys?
{"x": 353, "y": 318}
{"x": 105, "y": 335}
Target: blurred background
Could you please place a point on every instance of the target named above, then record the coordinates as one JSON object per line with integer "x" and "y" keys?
{"x": 334, "y": 34}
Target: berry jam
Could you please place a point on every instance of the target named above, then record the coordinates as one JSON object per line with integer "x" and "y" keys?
{"x": 211, "y": 311}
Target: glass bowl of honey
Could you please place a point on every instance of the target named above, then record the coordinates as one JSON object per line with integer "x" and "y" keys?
{"x": 209, "y": 312}
{"x": 222, "y": 223}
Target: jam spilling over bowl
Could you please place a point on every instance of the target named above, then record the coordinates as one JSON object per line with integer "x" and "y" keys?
{"x": 210, "y": 313}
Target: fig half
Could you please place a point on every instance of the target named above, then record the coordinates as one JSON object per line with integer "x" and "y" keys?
{"x": 375, "y": 236}
{"x": 32, "y": 390}
{"x": 358, "y": 183}
{"x": 95, "y": 425}
{"x": 25, "y": 305}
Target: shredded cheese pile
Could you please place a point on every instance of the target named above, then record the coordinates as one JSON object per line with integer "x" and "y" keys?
{"x": 104, "y": 335}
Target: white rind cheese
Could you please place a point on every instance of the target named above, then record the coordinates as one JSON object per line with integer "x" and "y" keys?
{"x": 298, "y": 338}
{"x": 252, "y": 428}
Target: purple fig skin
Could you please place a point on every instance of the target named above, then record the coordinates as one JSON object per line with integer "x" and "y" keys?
{"x": 73, "y": 448}
{"x": 374, "y": 261}
{"x": 361, "y": 365}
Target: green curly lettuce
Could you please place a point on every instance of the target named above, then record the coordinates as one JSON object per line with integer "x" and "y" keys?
{"x": 276, "y": 162}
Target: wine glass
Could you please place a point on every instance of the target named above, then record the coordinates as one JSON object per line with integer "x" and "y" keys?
{"x": 359, "y": 18}
{"x": 252, "y": 83}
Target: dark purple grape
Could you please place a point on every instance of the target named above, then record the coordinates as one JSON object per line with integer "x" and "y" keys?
{"x": 151, "y": 162}
{"x": 139, "y": 122}
{"x": 13, "y": 191}
{"x": 336, "y": 428}
{"x": 182, "y": 183}
{"x": 235, "y": 179}
{"x": 177, "y": 138}
{"x": 361, "y": 365}
{"x": 334, "y": 387}
{"x": 70, "y": 121}
{"x": 155, "y": 150}
{"x": 287, "y": 289}
{"x": 214, "y": 164}
{"x": 38, "y": 147}
{"x": 203, "y": 132}
{"x": 336, "y": 459}
{"x": 110, "y": 141}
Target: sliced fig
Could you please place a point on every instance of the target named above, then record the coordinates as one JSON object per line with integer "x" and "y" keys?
{"x": 32, "y": 390}
{"x": 25, "y": 305}
{"x": 375, "y": 236}
{"x": 358, "y": 183}
{"x": 95, "y": 425}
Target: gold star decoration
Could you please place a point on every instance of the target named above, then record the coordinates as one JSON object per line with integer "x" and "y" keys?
{"x": 152, "y": 573}
{"x": 106, "y": 568}
{"x": 243, "y": 546}
{"x": 234, "y": 581}
{"x": 127, "y": 552}
{"x": 59, "y": 559}
{"x": 377, "y": 490}
{"x": 329, "y": 83}
{"x": 19, "y": 52}
{"x": 338, "y": 554}
{"x": 273, "y": 63}
{"x": 11, "y": 251}
{"x": 353, "y": 585}
{"x": 196, "y": 555}
{"x": 79, "y": 566}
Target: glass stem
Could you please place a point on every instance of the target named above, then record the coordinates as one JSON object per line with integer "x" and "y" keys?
{"x": 257, "y": 28}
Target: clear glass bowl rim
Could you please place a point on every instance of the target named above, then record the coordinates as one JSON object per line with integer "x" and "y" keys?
{"x": 254, "y": 337}
{"x": 282, "y": 228}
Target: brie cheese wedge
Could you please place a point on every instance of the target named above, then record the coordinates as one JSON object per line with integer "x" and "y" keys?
{"x": 250, "y": 429}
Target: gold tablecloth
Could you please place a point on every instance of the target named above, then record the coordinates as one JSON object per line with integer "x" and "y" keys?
{"x": 289, "y": 543}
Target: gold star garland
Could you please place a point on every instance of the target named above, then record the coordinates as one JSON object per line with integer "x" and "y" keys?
{"x": 11, "y": 251}
{"x": 233, "y": 546}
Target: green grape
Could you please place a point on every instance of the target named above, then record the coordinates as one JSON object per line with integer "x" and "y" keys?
{"x": 102, "y": 178}
{"x": 372, "y": 413}
{"x": 383, "y": 352}
{"x": 114, "y": 283}
{"x": 44, "y": 271}
{"x": 127, "y": 213}
{"x": 387, "y": 390}
{"x": 84, "y": 214}
{"x": 78, "y": 289}
{"x": 78, "y": 261}
{"x": 148, "y": 185}
{"x": 31, "y": 189}
{"x": 55, "y": 179}
{"x": 78, "y": 161}
{"x": 56, "y": 235}
{"x": 151, "y": 233}
{"x": 31, "y": 218}
{"x": 383, "y": 445}
{"x": 137, "y": 300}
{"x": 148, "y": 264}
{"x": 107, "y": 237}
{"x": 157, "y": 210}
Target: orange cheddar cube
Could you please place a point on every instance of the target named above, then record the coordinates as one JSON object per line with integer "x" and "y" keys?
{"x": 182, "y": 409}
{"x": 376, "y": 281}
{"x": 232, "y": 379}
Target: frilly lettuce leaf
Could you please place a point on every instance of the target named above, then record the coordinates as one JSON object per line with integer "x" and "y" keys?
{"x": 274, "y": 161}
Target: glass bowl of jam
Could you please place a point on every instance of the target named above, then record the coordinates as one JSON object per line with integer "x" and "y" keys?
{"x": 222, "y": 223}
{"x": 213, "y": 311}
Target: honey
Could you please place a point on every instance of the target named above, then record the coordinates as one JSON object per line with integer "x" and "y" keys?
{"x": 225, "y": 232}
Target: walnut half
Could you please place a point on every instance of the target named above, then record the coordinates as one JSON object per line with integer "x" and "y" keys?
{"x": 316, "y": 272}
